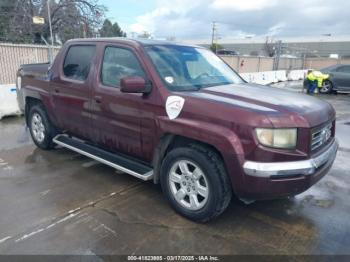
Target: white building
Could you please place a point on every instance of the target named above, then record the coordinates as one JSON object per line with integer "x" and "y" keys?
{"x": 317, "y": 46}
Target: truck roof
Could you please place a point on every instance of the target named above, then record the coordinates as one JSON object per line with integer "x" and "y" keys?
{"x": 130, "y": 41}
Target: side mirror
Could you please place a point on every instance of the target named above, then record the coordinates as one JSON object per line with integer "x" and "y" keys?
{"x": 134, "y": 84}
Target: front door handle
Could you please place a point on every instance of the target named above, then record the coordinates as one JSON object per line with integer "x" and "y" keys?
{"x": 57, "y": 90}
{"x": 98, "y": 99}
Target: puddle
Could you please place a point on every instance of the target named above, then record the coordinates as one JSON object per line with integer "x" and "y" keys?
{"x": 318, "y": 197}
{"x": 24, "y": 136}
{"x": 323, "y": 203}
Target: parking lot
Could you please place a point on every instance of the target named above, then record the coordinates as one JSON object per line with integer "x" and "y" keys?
{"x": 58, "y": 202}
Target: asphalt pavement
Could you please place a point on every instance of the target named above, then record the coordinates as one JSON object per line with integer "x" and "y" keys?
{"x": 59, "y": 202}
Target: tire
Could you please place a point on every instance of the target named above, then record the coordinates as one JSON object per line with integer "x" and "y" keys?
{"x": 41, "y": 129}
{"x": 200, "y": 190}
{"x": 327, "y": 87}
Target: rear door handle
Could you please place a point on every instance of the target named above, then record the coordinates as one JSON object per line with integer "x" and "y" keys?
{"x": 57, "y": 90}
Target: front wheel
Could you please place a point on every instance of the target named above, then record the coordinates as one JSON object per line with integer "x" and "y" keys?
{"x": 327, "y": 87}
{"x": 195, "y": 183}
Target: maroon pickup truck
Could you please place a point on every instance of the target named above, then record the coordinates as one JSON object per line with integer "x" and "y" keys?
{"x": 178, "y": 115}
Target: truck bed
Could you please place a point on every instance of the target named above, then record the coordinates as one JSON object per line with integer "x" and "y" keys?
{"x": 35, "y": 70}
{"x": 31, "y": 75}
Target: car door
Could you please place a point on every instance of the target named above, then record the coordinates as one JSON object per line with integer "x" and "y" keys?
{"x": 341, "y": 77}
{"x": 116, "y": 116}
{"x": 71, "y": 90}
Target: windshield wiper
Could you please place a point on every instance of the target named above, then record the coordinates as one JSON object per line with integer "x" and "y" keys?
{"x": 216, "y": 84}
{"x": 185, "y": 88}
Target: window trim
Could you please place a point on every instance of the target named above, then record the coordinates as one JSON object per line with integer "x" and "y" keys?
{"x": 120, "y": 47}
{"x": 68, "y": 79}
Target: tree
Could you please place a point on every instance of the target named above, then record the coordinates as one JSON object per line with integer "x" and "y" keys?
{"x": 215, "y": 47}
{"x": 111, "y": 30}
{"x": 107, "y": 29}
{"x": 70, "y": 19}
{"x": 270, "y": 47}
{"x": 254, "y": 53}
{"x": 117, "y": 30}
{"x": 145, "y": 35}
{"x": 171, "y": 38}
{"x": 6, "y": 8}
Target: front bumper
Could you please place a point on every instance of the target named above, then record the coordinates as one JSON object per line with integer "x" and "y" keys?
{"x": 277, "y": 170}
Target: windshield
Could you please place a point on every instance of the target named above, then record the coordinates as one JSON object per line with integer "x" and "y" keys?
{"x": 184, "y": 68}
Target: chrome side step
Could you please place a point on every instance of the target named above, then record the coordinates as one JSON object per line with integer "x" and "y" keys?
{"x": 117, "y": 161}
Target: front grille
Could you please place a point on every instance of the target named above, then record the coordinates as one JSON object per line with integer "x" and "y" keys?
{"x": 321, "y": 136}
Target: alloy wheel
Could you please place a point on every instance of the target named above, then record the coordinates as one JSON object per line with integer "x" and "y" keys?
{"x": 188, "y": 185}
{"x": 326, "y": 87}
{"x": 38, "y": 128}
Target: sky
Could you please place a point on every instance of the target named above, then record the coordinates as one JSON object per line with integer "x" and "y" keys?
{"x": 192, "y": 19}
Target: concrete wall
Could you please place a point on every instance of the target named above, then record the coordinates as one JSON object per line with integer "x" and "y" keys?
{"x": 249, "y": 64}
{"x": 8, "y": 101}
{"x": 12, "y": 56}
{"x": 318, "y": 63}
{"x": 290, "y": 63}
{"x": 345, "y": 61}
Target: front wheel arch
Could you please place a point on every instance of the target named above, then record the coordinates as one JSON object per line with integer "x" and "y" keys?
{"x": 218, "y": 182}
{"x": 171, "y": 141}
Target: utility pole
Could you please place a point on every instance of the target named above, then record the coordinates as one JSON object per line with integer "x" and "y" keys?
{"x": 213, "y": 35}
{"x": 213, "y": 32}
{"x": 278, "y": 54}
{"x": 32, "y": 14}
{"x": 50, "y": 25}
{"x": 84, "y": 29}
{"x": 49, "y": 17}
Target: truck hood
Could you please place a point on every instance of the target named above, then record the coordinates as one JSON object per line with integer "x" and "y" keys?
{"x": 283, "y": 108}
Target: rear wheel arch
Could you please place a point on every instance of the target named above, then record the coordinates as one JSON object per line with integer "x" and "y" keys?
{"x": 29, "y": 103}
{"x": 40, "y": 126}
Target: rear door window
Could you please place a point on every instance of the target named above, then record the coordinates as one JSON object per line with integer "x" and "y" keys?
{"x": 78, "y": 61}
{"x": 118, "y": 63}
{"x": 344, "y": 69}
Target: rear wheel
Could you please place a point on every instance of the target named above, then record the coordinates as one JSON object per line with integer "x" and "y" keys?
{"x": 41, "y": 130}
{"x": 327, "y": 87}
{"x": 195, "y": 182}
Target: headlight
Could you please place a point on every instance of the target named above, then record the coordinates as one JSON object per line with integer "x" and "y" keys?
{"x": 277, "y": 138}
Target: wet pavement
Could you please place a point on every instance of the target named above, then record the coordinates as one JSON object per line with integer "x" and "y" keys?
{"x": 58, "y": 202}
